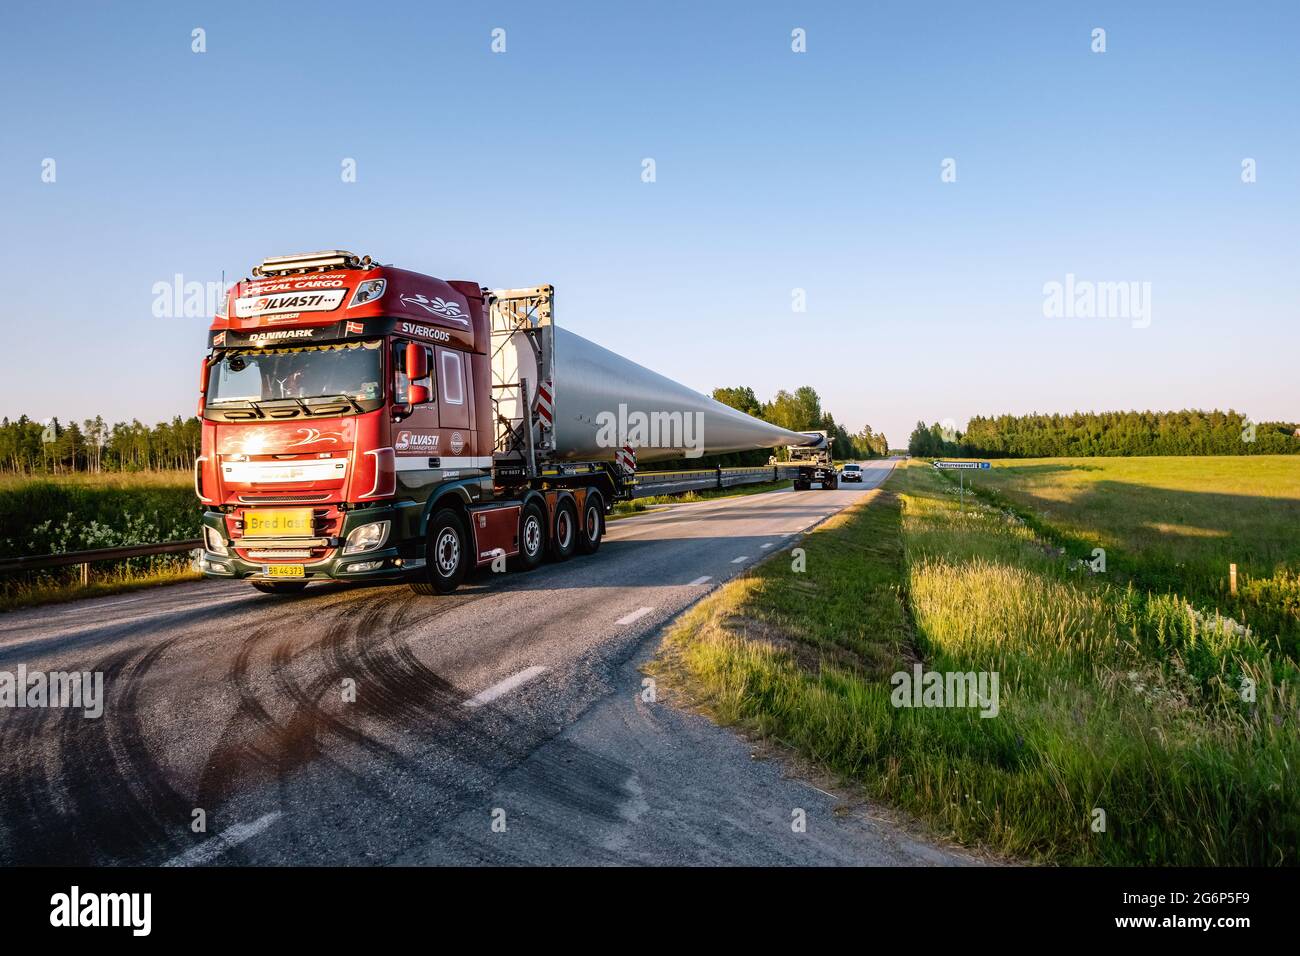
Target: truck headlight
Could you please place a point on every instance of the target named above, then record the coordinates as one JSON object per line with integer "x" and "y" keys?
{"x": 367, "y": 291}
{"x": 366, "y": 537}
{"x": 212, "y": 538}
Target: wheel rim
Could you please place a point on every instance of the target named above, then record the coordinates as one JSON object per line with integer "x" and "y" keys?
{"x": 448, "y": 552}
{"x": 564, "y": 529}
{"x": 593, "y": 524}
{"x": 532, "y": 534}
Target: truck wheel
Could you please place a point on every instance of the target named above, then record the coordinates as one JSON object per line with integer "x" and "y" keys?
{"x": 446, "y": 556}
{"x": 564, "y": 532}
{"x": 279, "y": 587}
{"x": 532, "y": 537}
{"x": 593, "y": 527}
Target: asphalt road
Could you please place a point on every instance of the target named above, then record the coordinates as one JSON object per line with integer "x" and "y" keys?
{"x": 501, "y": 724}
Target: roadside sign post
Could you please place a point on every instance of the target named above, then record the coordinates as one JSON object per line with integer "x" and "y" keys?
{"x": 960, "y": 467}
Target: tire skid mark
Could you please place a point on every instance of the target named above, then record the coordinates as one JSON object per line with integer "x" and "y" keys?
{"x": 107, "y": 799}
{"x": 253, "y": 743}
{"x": 101, "y": 796}
{"x": 27, "y": 791}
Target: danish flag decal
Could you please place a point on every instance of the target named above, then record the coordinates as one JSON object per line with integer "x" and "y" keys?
{"x": 543, "y": 405}
{"x": 355, "y": 328}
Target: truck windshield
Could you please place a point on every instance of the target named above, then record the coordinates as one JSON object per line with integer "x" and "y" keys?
{"x": 351, "y": 370}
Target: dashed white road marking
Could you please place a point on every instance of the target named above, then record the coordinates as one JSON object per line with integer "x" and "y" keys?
{"x": 634, "y": 616}
{"x": 743, "y": 557}
{"x": 504, "y": 687}
{"x": 765, "y": 546}
{"x": 212, "y": 848}
{"x": 702, "y": 579}
{"x": 134, "y": 600}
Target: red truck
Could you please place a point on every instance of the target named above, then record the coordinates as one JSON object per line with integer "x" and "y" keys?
{"x": 366, "y": 423}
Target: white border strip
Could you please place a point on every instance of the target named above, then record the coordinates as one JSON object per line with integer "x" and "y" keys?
{"x": 421, "y": 462}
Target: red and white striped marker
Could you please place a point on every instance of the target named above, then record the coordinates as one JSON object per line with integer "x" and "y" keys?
{"x": 543, "y": 404}
{"x": 626, "y": 459}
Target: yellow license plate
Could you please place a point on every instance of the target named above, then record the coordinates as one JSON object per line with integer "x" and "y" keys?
{"x": 284, "y": 571}
{"x": 289, "y": 522}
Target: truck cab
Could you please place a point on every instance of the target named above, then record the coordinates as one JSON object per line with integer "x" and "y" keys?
{"x": 346, "y": 412}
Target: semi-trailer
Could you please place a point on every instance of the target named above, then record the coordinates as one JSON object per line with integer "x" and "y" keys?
{"x": 367, "y": 423}
{"x": 814, "y": 461}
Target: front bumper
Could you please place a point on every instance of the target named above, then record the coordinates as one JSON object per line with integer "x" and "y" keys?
{"x": 398, "y": 556}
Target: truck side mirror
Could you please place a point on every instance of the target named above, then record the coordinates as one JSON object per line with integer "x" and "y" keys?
{"x": 419, "y": 394}
{"x": 417, "y": 364}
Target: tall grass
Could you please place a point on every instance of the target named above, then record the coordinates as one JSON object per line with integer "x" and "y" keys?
{"x": 60, "y": 515}
{"x": 55, "y": 515}
{"x": 1111, "y": 699}
{"x": 1175, "y": 524}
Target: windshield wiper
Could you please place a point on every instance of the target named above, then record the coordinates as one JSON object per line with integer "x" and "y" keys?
{"x": 232, "y": 404}
{"x": 340, "y": 396}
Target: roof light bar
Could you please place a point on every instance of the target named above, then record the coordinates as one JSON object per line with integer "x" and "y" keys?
{"x": 311, "y": 262}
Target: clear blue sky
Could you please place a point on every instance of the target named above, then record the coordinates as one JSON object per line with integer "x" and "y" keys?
{"x": 775, "y": 171}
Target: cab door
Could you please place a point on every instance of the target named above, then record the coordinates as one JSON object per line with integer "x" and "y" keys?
{"x": 423, "y": 417}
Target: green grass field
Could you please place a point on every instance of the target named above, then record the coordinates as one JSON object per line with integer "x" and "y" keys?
{"x": 1174, "y": 525}
{"x": 76, "y": 513}
{"x": 1124, "y": 732}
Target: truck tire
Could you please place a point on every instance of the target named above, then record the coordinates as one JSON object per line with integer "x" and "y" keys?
{"x": 279, "y": 587}
{"x": 532, "y": 537}
{"x": 593, "y": 525}
{"x": 564, "y": 530}
{"x": 446, "y": 555}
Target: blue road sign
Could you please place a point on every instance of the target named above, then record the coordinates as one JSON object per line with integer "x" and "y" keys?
{"x": 961, "y": 464}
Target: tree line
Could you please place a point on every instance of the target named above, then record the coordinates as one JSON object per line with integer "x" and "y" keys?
{"x": 799, "y": 411}
{"x": 1085, "y": 434}
{"x": 53, "y": 447}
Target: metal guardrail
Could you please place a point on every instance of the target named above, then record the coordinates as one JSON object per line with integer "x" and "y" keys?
{"x": 43, "y": 562}
{"x": 648, "y": 483}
